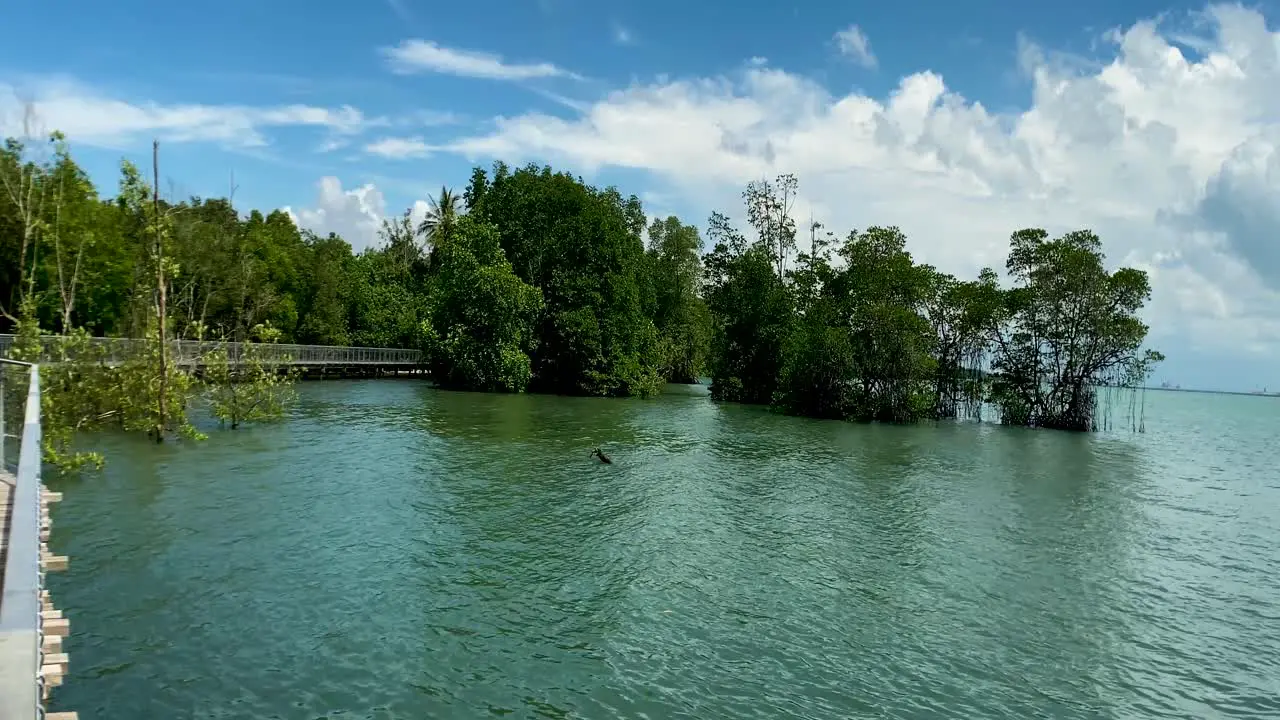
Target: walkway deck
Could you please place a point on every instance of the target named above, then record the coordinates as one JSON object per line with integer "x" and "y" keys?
{"x": 32, "y": 663}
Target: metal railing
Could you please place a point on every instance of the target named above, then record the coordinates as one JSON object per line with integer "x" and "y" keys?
{"x": 20, "y": 624}
{"x": 115, "y": 350}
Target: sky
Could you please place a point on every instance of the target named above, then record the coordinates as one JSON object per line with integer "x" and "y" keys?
{"x": 1153, "y": 124}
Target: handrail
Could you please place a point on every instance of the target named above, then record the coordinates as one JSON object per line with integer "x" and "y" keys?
{"x": 20, "y": 603}
{"x": 191, "y": 351}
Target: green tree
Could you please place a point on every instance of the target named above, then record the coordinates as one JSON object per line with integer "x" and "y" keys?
{"x": 441, "y": 218}
{"x": 679, "y": 314}
{"x": 327, "y": 303}
{"x": 254, "y": 385}
{"x": 481, "y": 316}
{"x": 581, "y": 248}
{"x": 883, "y": 292}
{"x": 752, "y": 312}
{"x": 817, "y": 375}
{"x": 155, "y": 390}
{"x": 1066, "y": 327}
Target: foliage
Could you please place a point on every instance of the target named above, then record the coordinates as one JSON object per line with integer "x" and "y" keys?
{"x": 531, "y": 279}
{"x": 581, "y": 248}
{"x": 679, "y": 314}
{"x": 256, "y": 385}
{"x": 866, "y": 333}
{"x": 481, "y": 316}
{"x": 65, "y": 406}
{"x": 1066, "y": 327}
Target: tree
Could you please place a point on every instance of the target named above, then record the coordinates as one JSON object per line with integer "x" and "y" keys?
{"x": 752, "y": 314}
{"x": 441, "y": 217}
{"x": 960, "y": 314}
{"x": 326, "y": 302}
{"x": 883, "y": 293}
{"x": 679, "y": 314}
{"x": 1066, "y": 327}
{"x": 769, "y": 212}
{"x": 817, "y": 375}
{"x": 254, "y": 385}
{"x": 75, "y": 389}
{"x": 481, "y": 317}
{"x": 26, "y": 189}
{"x": 581, "y": 247}
{"x": 154, "y": 390}
{"x": 72, "y": 229}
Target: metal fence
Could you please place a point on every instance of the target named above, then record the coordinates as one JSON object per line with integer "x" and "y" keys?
{"x": 20, "y": 624}
{"x": 115, "y": 350}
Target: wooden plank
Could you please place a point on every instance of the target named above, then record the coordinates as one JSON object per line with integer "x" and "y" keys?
{"x": 60, "y": 627}
{"x": 53, "y": 497}
{"x": 52, "y": 644}
{"x": 57, "y": 659}
{"x": 61, "y": 716}
{"x": 50, "y": 614}
{"x": 55, "y": 563}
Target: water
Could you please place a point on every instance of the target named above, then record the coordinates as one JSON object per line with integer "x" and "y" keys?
{"x": 394, "y": 551}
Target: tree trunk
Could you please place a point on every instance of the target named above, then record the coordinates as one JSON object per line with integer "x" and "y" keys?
{"x": 162, "y": 401}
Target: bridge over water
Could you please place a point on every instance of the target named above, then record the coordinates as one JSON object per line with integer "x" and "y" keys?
{"x": 311, "y": 360}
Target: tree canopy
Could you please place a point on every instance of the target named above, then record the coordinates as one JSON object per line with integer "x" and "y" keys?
{"x": 534, "y": 280}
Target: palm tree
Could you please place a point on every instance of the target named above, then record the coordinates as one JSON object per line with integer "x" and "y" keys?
{"x": 441, "y": 217}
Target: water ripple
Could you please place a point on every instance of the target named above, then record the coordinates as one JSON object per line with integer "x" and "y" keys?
{"x": 397, "y": 552}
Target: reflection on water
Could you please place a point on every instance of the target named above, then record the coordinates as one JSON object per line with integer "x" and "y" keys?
{"x": 394, "y": 551}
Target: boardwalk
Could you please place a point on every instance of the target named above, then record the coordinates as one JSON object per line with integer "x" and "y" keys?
{"x": 32, "y": 663}
{"x": 309, "y": 359}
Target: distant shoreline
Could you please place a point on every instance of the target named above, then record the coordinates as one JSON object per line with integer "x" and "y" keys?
{"x": 1214, "y": 392}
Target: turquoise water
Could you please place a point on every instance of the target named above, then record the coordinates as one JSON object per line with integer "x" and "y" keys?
{"x": 394, "y": 551}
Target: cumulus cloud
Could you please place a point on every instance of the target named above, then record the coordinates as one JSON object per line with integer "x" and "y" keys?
{"x": 95, "y": 119}
{"x": 354, "y": 214}
{"x": 853, "y": 44}
{"x": 622, "y": 35}
{"x": 1170, "y": 155}
{"x": 417, "y": 56}
{"x": 1242, "y": 203}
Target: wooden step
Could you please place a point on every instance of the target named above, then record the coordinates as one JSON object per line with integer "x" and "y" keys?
{"x": 60, "y": 627}
{"x": 55, "y": 563}
{"x": 52, "y": 675}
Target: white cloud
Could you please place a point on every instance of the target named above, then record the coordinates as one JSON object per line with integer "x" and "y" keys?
{"x": 415, "y": 56}
{"x": 622, "y": 35}
{"x": 356, "y": 215}
{"x": 853, "y": 43}
{"x": 398, "y": 148}
{"x": 94, "y": 119}
{"x": 353, "y": 214}
{"x": 1171, "y": 159}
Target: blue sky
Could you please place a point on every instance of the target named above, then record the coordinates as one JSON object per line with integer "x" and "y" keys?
{"x": 1152, "y": 123}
